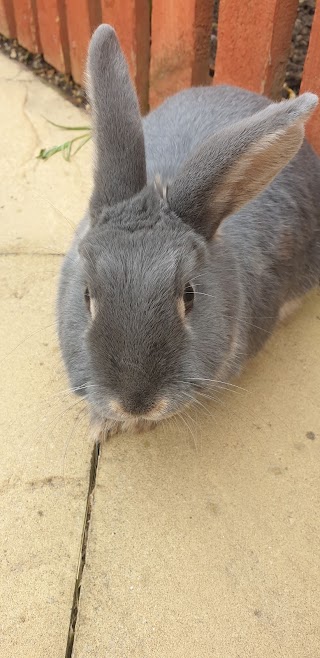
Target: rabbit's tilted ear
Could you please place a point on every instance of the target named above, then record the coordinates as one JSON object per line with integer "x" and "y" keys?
{"x": 120, "y": 167}
{"x": 234, "y": 165}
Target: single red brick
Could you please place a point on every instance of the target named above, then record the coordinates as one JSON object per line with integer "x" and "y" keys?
{"x": 180, "y": 46}
{"x": 253, "y": 44}
{"x": 83, "y": 16}
{"x": 311, "y": 78}
{"x": 27, "y": 24}
{"x": 7, "y": 19}
{"x": 53, "y": 33}
{"x": 131, "y": 20}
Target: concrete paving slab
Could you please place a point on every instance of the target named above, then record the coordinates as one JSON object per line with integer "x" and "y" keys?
{"x": 44, "y": 467}
{"x": 40, "y": 202}
{"x": 204, "y": 534}
{"x": 205, "y": 539}
{"x": 44, "y": 450}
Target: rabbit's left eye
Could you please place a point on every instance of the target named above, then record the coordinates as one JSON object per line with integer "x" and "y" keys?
{"x": 188, "y": 297}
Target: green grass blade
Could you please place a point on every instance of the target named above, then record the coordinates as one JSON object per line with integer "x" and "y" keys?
{"x": 58, "y": 125}
{"x": 85, "y": 140}
{"x": 65, "y": 148}
{"x": 45, "y": 154}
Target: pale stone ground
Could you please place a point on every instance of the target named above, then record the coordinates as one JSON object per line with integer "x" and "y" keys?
{"x": 203, "y": 540}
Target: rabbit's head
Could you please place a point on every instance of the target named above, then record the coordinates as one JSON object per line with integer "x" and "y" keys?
{"x": 154, "y": 276}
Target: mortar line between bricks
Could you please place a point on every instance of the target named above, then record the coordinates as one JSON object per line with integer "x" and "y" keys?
{"x": 83, "y": 550}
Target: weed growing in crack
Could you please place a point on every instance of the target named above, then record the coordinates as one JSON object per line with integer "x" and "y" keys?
{"x": 67, "y": 148}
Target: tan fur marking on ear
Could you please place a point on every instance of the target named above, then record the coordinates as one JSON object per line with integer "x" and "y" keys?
{"x": 218, "y": 234}
{"x": 256, "y": 169}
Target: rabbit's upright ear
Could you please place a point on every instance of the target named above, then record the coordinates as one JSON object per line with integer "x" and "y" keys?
{"x": 234, "y": 165}
{"x": 120, "y": 167}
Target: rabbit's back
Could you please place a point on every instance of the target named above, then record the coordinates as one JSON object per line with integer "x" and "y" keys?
{"x": 276, "y": 237}
{"x": 184, "y": 121}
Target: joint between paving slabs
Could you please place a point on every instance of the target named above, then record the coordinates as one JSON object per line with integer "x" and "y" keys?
{"x": 31, "y": 253}
{"x": 83, "y": 549}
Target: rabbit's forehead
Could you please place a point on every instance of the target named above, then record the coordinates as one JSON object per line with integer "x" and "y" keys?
{"x": 141, "y": 261}
{"x": 156, "y": 252}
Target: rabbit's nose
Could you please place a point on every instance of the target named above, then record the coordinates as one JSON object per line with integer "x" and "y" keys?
{"x": 139, "y": 405}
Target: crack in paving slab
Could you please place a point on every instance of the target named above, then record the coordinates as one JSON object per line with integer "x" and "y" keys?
{"x": 32, "y": 253}
{"x": 83, "y": 549}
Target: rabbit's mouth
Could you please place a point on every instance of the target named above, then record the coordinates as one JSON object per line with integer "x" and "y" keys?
{"x": 102, "y": 430}
{"x": 119, "y": 420}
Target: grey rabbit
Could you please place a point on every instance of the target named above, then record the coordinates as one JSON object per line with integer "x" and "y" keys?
{"x": 203, "y": 227}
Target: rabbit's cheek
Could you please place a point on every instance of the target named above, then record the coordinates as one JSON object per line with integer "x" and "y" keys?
{"x": 231, "y": 355}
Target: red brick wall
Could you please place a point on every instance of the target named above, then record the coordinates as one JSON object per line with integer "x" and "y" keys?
{"x": 311, "y": 78}
{"x": 170, "y": 49}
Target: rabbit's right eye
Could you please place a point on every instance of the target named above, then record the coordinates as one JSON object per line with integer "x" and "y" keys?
{"x": 87, "y": 299}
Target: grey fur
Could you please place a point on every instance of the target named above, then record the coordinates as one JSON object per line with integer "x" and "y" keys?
{"x": 120, "y": 169}
{"x": 137, "y": 248}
